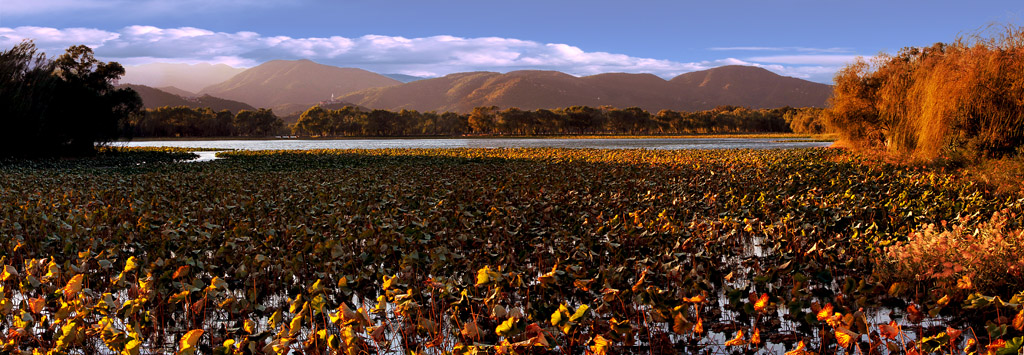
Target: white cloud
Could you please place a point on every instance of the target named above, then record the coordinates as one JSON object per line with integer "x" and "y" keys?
{"x": 47, "y": 38}
{"x": 424, "y": 56}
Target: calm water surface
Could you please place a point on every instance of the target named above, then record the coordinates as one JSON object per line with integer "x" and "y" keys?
{"x": 598, "y": 143}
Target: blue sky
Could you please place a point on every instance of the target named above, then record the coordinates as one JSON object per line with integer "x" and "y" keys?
{"x": 808, "y": 39}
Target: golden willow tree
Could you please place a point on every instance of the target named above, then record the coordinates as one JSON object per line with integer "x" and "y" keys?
{"x": 961, "y": 98}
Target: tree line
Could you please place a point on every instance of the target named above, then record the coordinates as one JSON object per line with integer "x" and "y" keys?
{"x": 352, "y": 121}
{"x": 60, "y": 106}
{"x": 183, "y": 121}
{"x": 963, "y": 99}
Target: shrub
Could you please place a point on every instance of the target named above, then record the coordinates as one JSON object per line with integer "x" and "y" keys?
{"x": 947, "y": 98}
{"x": 988, "y": 256}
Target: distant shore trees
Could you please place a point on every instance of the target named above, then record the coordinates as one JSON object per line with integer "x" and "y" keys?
{"x": 490, "y": 120}
{"x": 62, "y": 106}
{"x": 183, "y": 121}
{"x": 961, "y": 99}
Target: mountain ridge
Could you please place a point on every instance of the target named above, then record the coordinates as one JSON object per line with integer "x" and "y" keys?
{"x": 290, "y": 86}
{"x": 745, "y": 86}
{"x": 295, "y": 83}
{"x": 188, "y": 77}
{"x": 154, "y": 98}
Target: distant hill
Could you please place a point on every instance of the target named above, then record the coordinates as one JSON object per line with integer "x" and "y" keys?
{"x": 531, "y": 89}
{"x": 286, "y": 85}
{"x": 177, "y": 91}
{"x": 752, "y": 87}
{"x": 153, "y": 98}
{"x": 404, "y": 78}
{"x": 188, "y": 77}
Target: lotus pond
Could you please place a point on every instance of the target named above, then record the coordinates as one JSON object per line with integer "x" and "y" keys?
{"x": 440, "y": 251}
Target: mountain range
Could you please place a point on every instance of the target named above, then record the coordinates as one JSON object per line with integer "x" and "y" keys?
{"x": 295, "y": 85}
{"x": 529, "y": 90}
{"x": 290, "y": 86}
{"x": 153, "y": 98}
{"x": 188, "y": 77}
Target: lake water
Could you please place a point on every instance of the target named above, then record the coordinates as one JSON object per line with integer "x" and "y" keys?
{"x": 598, "y": 143}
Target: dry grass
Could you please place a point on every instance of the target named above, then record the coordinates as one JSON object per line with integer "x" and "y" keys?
{"x": 966, "y": 97}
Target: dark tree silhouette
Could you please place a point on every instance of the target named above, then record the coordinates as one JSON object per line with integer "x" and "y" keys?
{"x": 63, "y": 106}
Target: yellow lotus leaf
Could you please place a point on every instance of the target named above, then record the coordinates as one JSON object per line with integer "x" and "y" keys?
{"x": 506, "y": 327}
{"x": 218, "y": 284}
{"x": 74, "y": 285}
{"x": 694, "y": 299}
{"x": 226, "y": 303}
{"x": 889, "y": 331}
{"x": 36, "y": 304}
{"x": 680, "y": 324}
{"x": 799, "y": 349}
{"x": 486, "y": 275}
{"x": 737, "y": 340}
{"x": 964, "y": 283}
{"x": 550, "y": 277}
{"x": 178, "y": 297}
{"x": 298, "y": 304}
{"x": 249, "y": 326}
{"x": 1018, "y": 321}
{"x": 132, "y": 348}
{"x": 146, "y": 283}
{"x": 182, "y": 271}
{"x": 275, "y": 319}
{"x": 334, "y": 342}
{"x": 600, "y": 346}
{"x": 8, "y": 272}
{"x": 131, "y": 264}
{"x": 52, "y": 271}
{"x": 844, "y": 337}
{"x": 190, "y": 339}
{"x": 762, "y": 303}
{"x": 295, "y": 326}
{"x": 388, "y": 281}
{"x": 317, "y": 287}
{"x": 825, "y": 313}
{"x": 556, "y": 317}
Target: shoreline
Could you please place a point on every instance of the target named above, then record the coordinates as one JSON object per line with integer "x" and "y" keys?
{"x": 816, "y": 137}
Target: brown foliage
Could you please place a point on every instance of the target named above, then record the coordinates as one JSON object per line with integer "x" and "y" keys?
{"x": 964, "y": 98}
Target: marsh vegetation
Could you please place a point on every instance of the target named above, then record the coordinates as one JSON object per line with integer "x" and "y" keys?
{"x": 506, "y": 250}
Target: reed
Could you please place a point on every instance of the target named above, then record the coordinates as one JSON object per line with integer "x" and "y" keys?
{"x": 965, "y": 98}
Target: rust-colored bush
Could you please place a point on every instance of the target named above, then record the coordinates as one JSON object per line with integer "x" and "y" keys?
{"x": 964, "y": 98}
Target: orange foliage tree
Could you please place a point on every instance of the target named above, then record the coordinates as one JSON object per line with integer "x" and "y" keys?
{"x": 961, "y": 98}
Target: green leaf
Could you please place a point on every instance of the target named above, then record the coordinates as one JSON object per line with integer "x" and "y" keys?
{"x": 995, "y": 331}
{"x": 1012, "y": 347}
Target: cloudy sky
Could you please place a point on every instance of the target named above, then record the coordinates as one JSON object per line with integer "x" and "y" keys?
{"x": 810, "y": 39}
